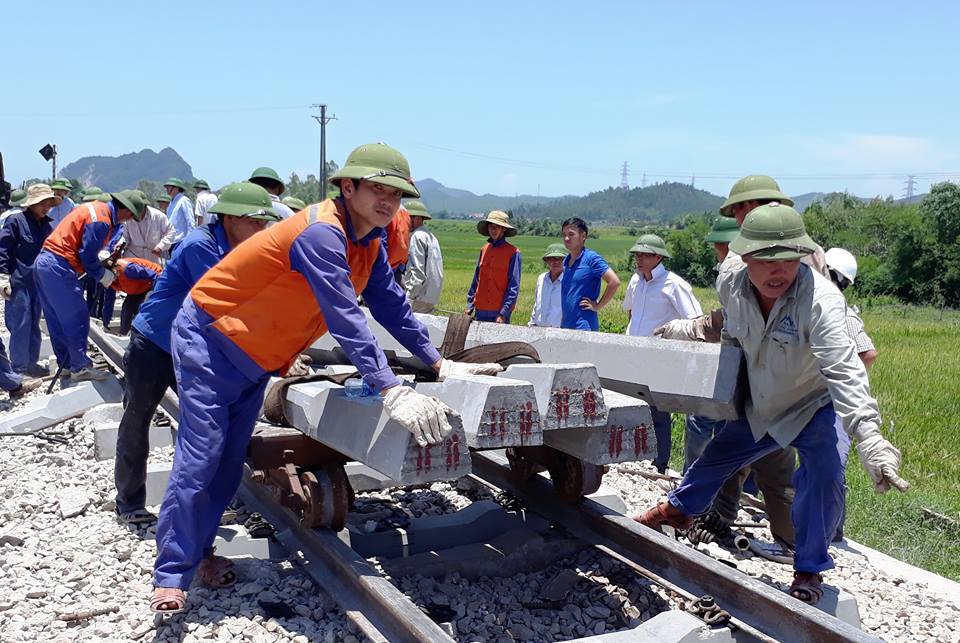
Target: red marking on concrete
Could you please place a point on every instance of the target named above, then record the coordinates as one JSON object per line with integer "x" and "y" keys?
{"x": 641, "y": 445}
{"x": 419, "y": 459}
{"x": 503, "y": 422}
{"x": 455, "y": 447}
{"x": 589, "y": 404}
{"x": 426, "y": 459}
{"x": 616, "y": 440}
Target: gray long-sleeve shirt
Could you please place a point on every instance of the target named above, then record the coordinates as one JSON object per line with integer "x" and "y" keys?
{"x": 798, "y": 360}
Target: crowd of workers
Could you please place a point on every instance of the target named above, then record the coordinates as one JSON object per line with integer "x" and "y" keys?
{"x": 227, "y": 291}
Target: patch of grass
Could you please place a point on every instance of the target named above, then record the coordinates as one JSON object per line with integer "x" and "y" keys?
{"x": 916, "y": 380}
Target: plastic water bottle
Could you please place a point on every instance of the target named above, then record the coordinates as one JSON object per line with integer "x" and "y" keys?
{"x": 356, "y": 387}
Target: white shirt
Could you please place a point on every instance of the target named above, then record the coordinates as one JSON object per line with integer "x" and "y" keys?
{"x": 654, "y": 303}
{"x": 548, "y": 302}
{"x": 423, "y": 279}
{"x": 281, "y": 209}
{"x": 152, "y": 231}
{"x": 798, "y": 360}
{"x": 205, "y": 200}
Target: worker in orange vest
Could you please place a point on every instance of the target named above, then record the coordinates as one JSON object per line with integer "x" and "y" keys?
{"x": 496, "y": 279}
{"x": 249, "y": 318}
{"x": 397, "y": 239}
{"x": 70, "y": 252}
{"x": 135, "y": 278}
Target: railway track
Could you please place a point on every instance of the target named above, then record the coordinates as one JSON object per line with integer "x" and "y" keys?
{"x": 383, "y": 613}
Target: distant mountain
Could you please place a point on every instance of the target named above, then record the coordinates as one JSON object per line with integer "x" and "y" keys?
{"x": 458, "y": 202}
{"x": 663, "y": 202}
{"x": 113, "y": 173}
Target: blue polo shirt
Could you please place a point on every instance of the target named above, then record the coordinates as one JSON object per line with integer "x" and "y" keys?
{"x": 200, "y": 250}
{"x": 581, "y": 279}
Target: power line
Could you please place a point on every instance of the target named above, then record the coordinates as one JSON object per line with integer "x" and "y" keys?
{"x": 911, "y": 183}
{"x": 213, "y": 110}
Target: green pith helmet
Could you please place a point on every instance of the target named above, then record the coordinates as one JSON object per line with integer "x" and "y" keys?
{"x": 106, "y": 197}
{"x": 91, "y": 190}
{"x": 725, "y": 230}
{"x": 378, "y": 163}
{"x": 132, "y": 201}
{"x": 175, "y": 182}
{"x": 753, "y": 188}
{"x": 269, "y": 174}
{"x": 293, "y": 203}
{"x": 555, "y": 250}
{"x": 773, "y": 232}
{"x": 17, "y": 197}
{"x": 651, "y": 244}
{"x": 417, "y": 209}
{"x": 245, "y": 199}
{"x": 163, "y": 198}
{"x": 92, "y": 193}
{"x": 61, "y": 184}
{"x": 200, "y": 184}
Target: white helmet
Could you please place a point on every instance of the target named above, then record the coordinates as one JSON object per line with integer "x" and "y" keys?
{"x": 843, "y": 262}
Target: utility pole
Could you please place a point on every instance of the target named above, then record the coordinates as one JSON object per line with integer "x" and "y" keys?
{"x": 54, "y": 177}
{"x": 624, "y": 174}
{"x": 693, "y": 181}
{"x": 911, "y": 184}
{"x": 323, "y": 119}
{"x": 643, "y": 182}
{"x": 49, "y": 153}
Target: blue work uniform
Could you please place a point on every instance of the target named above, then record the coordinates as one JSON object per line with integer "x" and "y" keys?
{"x": 58, "y": 213}
{"x": 220, "y": 381}
{"x": 582, "y": 278}
{"x": 21, "y": 240}
{"x": 148, "y": 365}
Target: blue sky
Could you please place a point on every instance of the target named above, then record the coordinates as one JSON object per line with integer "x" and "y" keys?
{"x": 502, "y": 97}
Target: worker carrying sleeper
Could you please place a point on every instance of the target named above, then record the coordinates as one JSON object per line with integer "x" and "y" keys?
{"x": 251, "y": 315}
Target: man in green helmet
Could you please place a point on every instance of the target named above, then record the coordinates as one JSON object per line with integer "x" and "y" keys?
{"x": 243, "y": 211}
{"x": 548, "y": 298}
{"x": 204, "y": 201}
{"x": 774, "y": 471}
{"x": 250, "y": 316}
{"x": 269, "y": 180}
{"x": 423, "y": 278}
{"x": 803, "y": 373}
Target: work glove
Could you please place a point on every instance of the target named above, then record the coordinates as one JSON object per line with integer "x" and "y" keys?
{"x": 423, "y": 416}
{"x": 6, "y": 291}
{"x": 107, "y": 278}
{"x": 300, "y": 366}
{"x": 882, "y": 463}
{"x": 448, "y": 368}
{"x": 690, "y": 330}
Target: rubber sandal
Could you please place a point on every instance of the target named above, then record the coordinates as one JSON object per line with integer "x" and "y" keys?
{"x": 775, "y": 551}
{"x": 167, "y": 596}
{"x": 664, "y": 514}
{"x": 807, "y": 587}
{"x": 217, "y": 572}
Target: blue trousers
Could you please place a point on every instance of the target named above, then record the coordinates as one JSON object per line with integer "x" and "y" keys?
{"x": 107, "y": 300}
{"x": 698, "y": 430}
{"x": 818, "y": 481}
{"x": 218, "y": 410}
{"x": 22, "y": 317}
{"x": 148, "y": 372}
{"x": 661, "y": 428}
{"x": 9, "y": 381}
{"x": 61, "y": 297}
{"x": 489, "y": 315}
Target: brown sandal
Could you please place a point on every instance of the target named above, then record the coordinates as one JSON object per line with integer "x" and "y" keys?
{"x": 217, "y": 572}
{"x": 807, "y": 587}
{"x": 163, "y": 597}
{"x": 664, "y": 514}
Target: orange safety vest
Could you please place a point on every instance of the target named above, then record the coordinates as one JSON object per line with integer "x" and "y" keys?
{"x": 494, "y": 276}
{"x": 132, "y": 286}
{"x": 261, "y": 304}
{"x": 67, "y": 238}
{"x": 398, "y": 238}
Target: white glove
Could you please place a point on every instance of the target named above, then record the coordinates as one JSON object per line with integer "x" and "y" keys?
{"x": 448, "y": 368}
{"x": 423, "y": 416}
{"x": 103, "y": 256}
{"x": 107, "y": 277}
{"x": 690, "y": 330}
{"x": 882, "y": 463}
{"x": 300, "y": 366}
{"x": 6, "y": 291}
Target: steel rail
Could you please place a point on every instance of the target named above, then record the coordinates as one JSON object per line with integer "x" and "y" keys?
{"x": 765, "y": 608}
{"x": 381, "y": 611}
